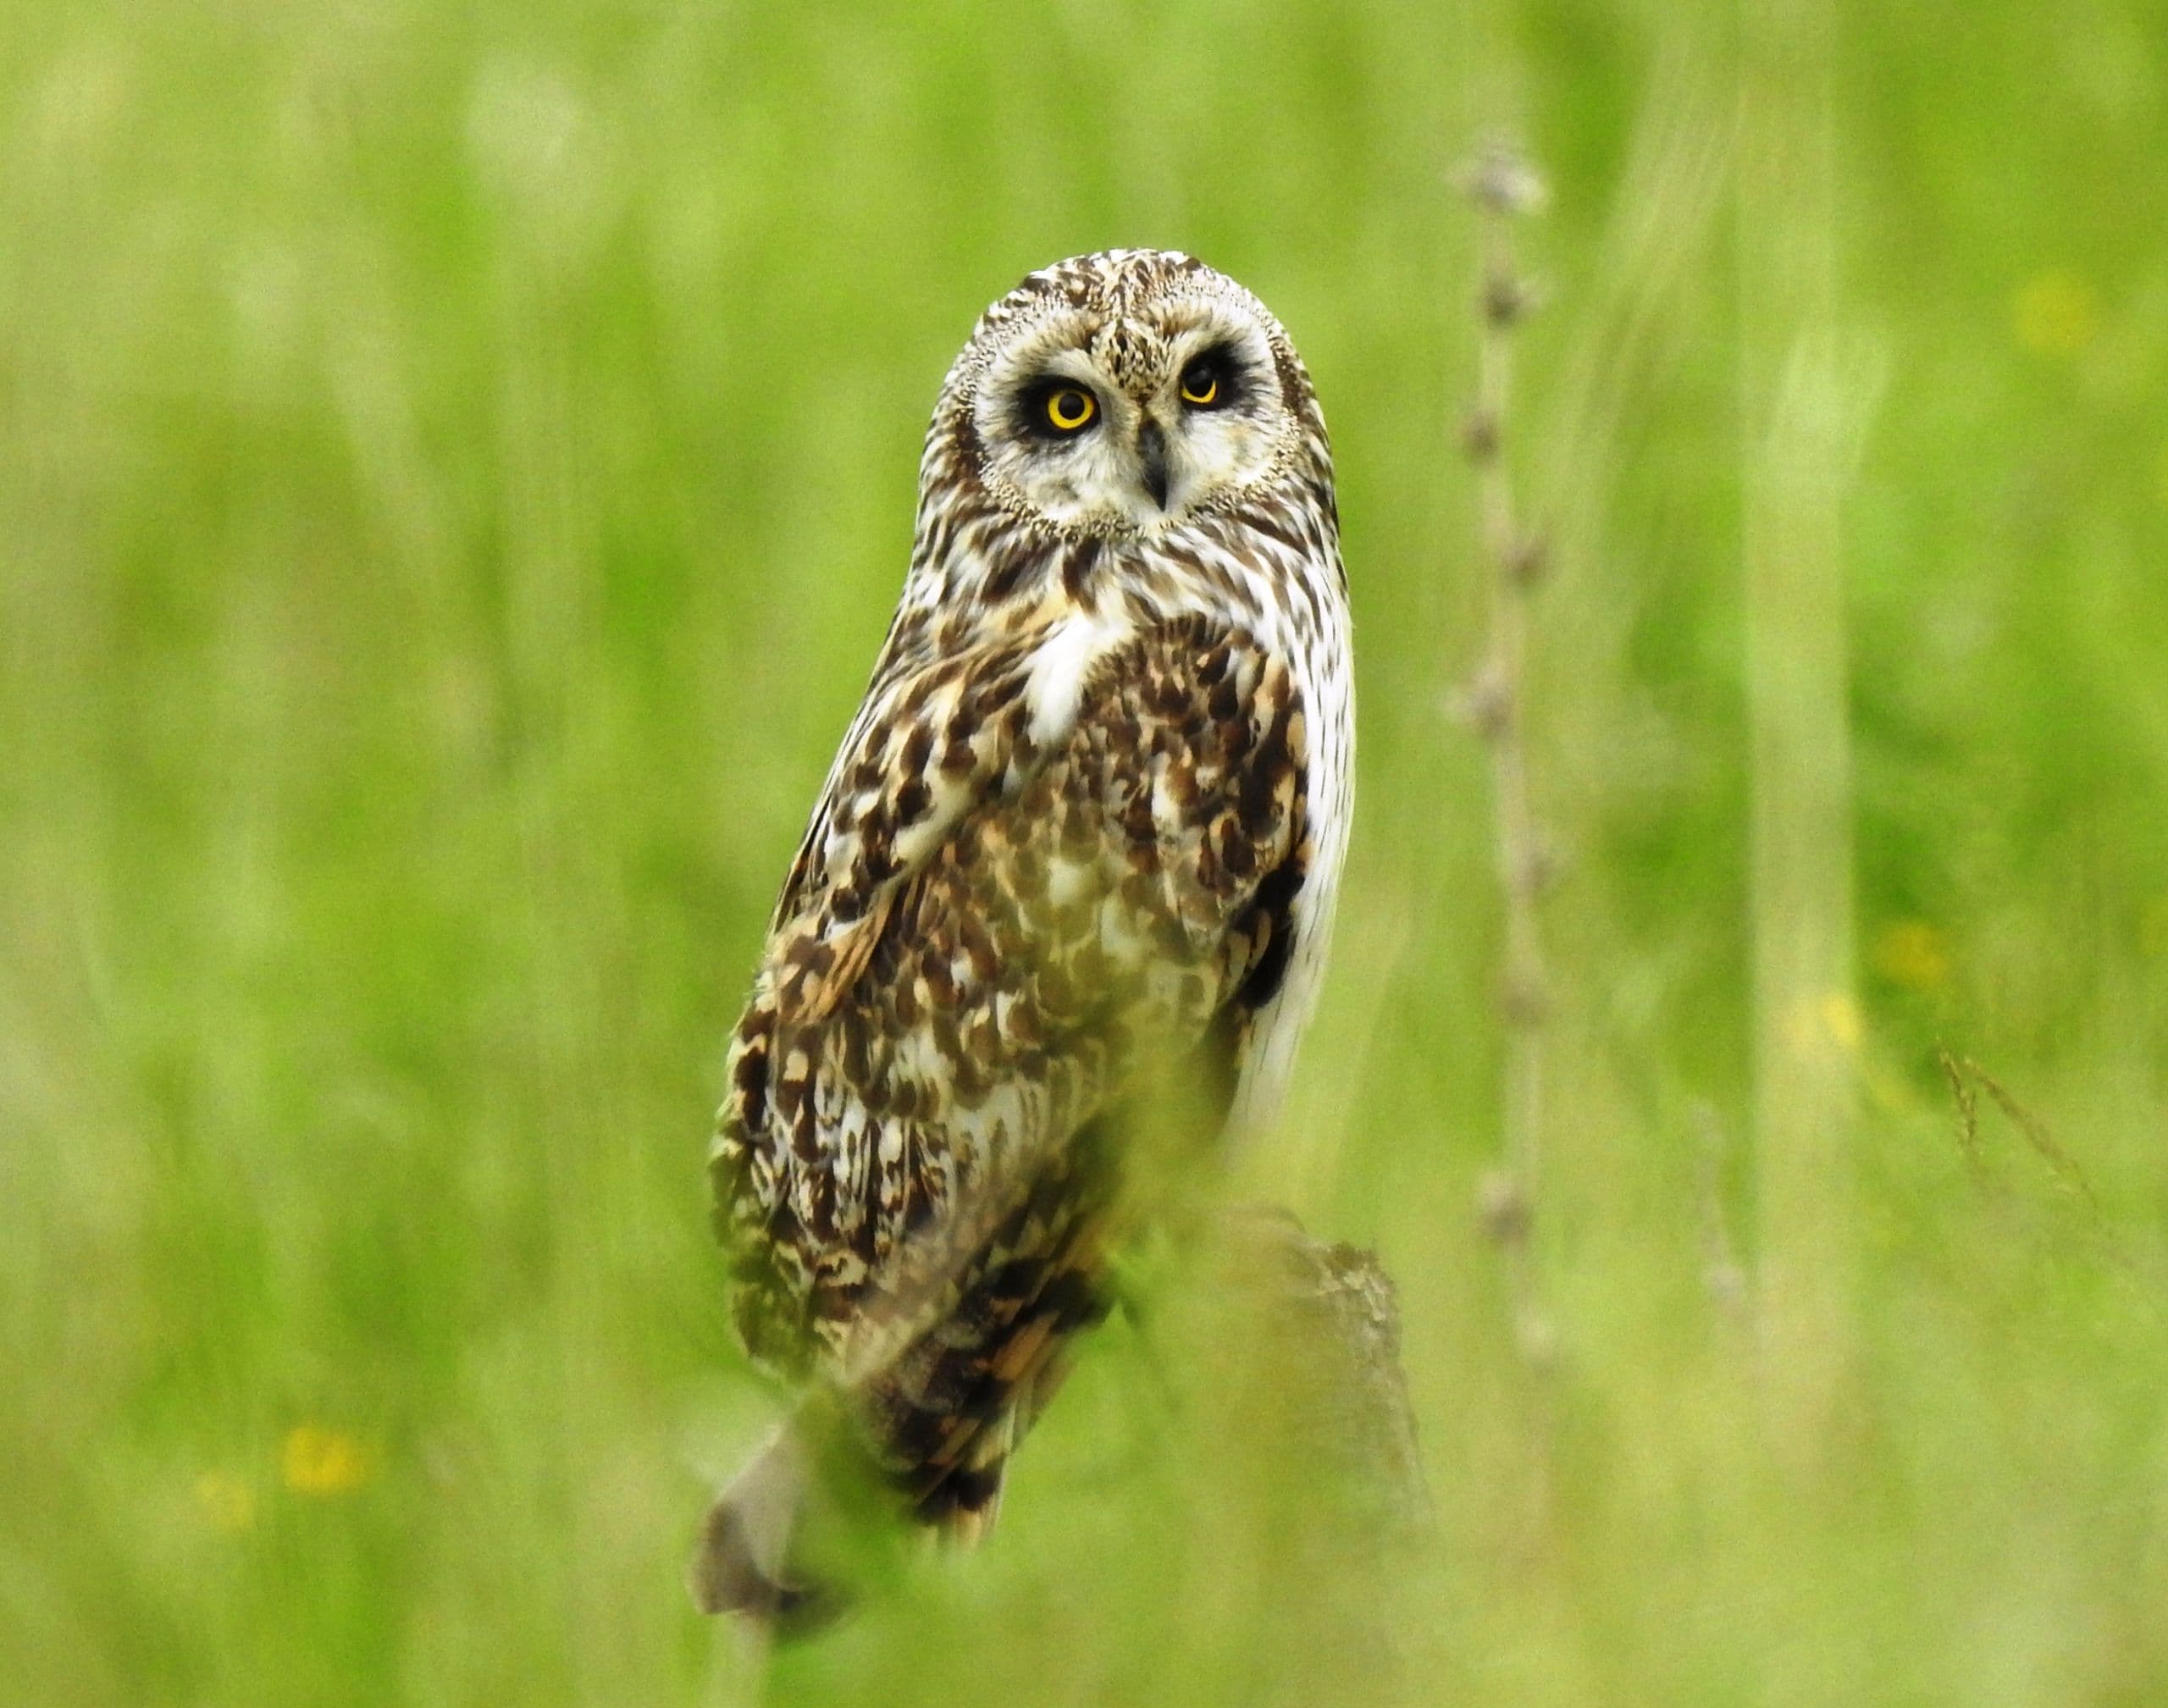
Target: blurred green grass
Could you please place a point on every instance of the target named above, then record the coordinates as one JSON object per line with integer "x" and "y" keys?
{"x": 455, "y": 467}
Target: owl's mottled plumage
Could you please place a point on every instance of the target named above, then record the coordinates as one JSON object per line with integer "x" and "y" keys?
{"x": 1087, "y": 824}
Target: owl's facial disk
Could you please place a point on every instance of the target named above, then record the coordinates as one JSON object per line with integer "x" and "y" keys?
{"x": 1118, "y": 426}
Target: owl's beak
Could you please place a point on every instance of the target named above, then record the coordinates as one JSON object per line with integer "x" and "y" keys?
{"x": 1152, "y": 450}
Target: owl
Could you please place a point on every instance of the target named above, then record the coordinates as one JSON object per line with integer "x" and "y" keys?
{"x": 1076, "y": 856}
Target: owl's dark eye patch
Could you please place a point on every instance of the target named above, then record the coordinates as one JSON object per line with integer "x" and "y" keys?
{"x": 1056, "y": 407}
{"x": 1213, "y": 379}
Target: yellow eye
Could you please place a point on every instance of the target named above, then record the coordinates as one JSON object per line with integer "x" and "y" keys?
{"x": 1200, "y": 387}
{"x": 1070, "y": 408}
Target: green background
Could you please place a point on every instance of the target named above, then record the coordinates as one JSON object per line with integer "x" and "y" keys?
{"x": 456, "y": 462}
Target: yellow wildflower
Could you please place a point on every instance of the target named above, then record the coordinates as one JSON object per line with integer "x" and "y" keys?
{"x": 321, "y": 1462}
{"x": 2056, "y": 314}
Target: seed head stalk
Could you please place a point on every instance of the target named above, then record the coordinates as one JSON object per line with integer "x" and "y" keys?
{"x": 1504, "y": 189}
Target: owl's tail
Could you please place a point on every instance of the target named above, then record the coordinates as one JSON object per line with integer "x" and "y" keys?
{"x": 742, "y": 1563}
{"x": 928, "y": 1440}
{"x": 928, "y": 1435}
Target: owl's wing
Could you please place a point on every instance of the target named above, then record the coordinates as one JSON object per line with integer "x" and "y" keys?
{"x": 941, "y": 732}
{"x": 979, "y": 946}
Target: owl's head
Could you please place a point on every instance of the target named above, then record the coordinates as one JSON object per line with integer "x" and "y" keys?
{"x": 1116, "y": 393}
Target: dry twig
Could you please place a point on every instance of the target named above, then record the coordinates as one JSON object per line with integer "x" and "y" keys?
{"x": 1504, "y": 187}
{"x": 1963, "y": 1073}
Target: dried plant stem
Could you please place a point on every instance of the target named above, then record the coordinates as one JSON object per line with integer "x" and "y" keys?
{"x": 1503, "y": 188}
{"x": 1962, "y": 1075}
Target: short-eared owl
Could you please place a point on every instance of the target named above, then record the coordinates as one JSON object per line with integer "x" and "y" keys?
{"x": 1090, "y": 816}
